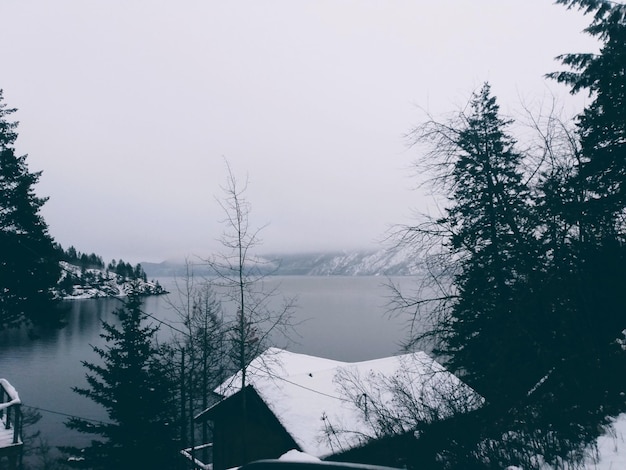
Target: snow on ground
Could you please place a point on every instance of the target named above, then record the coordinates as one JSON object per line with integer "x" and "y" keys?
{"x": 611, "y": 451}
{"x": 296, "y": 456}
{"x": 612, "y": 448}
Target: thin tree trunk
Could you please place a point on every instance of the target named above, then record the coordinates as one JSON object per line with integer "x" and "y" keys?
{"x": 183, "y": 418}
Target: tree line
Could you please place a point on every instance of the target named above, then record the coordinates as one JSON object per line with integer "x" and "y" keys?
{"x": 127, "y": 270}
{"x": 94, "y": 261}
{"x": 525, "y": 297}
{"x": 83, "y": 260}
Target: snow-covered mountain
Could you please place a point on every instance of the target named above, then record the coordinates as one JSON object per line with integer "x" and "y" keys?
{"x": 383, "y": 262}
{"x": 77, "y": 283}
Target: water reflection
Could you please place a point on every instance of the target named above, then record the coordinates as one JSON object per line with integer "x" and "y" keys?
{"x": 44, "y": 364}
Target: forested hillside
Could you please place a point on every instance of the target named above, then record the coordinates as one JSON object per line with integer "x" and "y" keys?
{"x": 85, "y": 276}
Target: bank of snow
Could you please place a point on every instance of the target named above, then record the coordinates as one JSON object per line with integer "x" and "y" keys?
{"x": 611, "y": 448}
{"x": 77, "y": 283}
{"x": 296, "y": 456}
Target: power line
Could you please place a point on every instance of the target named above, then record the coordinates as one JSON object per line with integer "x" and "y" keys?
{"x": 60, "y": 413}
{"x": 275, "y": 376}
{"x": 169, "y": 325}
{"x": 163, "y": 322}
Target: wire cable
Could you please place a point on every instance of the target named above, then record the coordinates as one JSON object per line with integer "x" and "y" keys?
{"x": 60, "y": 413}
{"x": 150, "y": 315}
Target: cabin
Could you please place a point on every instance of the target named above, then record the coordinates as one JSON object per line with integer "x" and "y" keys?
{"x": 328, "y": 409}
{"x": 10, "y": 424}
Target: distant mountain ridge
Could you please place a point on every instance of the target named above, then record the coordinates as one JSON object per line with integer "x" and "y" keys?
{"x": 383, "y": 262}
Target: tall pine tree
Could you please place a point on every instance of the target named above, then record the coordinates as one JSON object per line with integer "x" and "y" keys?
{"x": 29, "y": 266}
{"x": 133, "y": 387}
{"x": 585, "y": 278}
{"x": 488, "y": 235}
{"x": 602, "y": 125}
{"x": 491, "y": 236}
{"x": 537, "y": 315}
{"x": 534, "y": 320}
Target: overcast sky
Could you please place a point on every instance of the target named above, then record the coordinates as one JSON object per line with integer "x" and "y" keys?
{"x": 130, "y": 107}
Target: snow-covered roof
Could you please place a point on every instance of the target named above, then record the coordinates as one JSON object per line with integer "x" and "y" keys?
{"x": 330, "y": 406}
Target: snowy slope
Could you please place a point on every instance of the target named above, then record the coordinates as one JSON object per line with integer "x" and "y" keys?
{"x": 611, "y": 448}
{"x": 383, "y": 262}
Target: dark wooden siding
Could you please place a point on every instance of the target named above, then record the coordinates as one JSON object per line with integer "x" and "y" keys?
{"x": 267, "y": 438}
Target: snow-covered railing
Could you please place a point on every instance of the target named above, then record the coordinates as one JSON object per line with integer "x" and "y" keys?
{"x": 190, "y": 454}
{"x": 10, "y": 412}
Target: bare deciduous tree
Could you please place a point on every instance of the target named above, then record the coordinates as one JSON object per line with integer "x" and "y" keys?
{"x": 241, "y": 278}
{"x": 201, "y": 349}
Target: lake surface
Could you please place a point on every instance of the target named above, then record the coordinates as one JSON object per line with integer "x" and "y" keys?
{"x": 342, "y": 318}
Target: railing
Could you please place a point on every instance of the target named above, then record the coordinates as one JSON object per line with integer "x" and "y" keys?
{"x": 10, "y": 410}
{"x": 190, "y": 454}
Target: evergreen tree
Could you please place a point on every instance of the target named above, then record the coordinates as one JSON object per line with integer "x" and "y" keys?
{"x": 491, "y": 330}
{"x": 71, "y": 254}
{"x": 485, "y": 255}
{"x": 535, "y": 316}
{"x": 585, "y": 276}
{"x": 133, "y": 387}
{"x": 29, "y": 266}
{"x": 602, "y": 125}
{"x": 487, "y": 231}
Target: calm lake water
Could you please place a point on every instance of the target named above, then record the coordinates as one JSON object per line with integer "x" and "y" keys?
{"x": 342, "y": 318}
